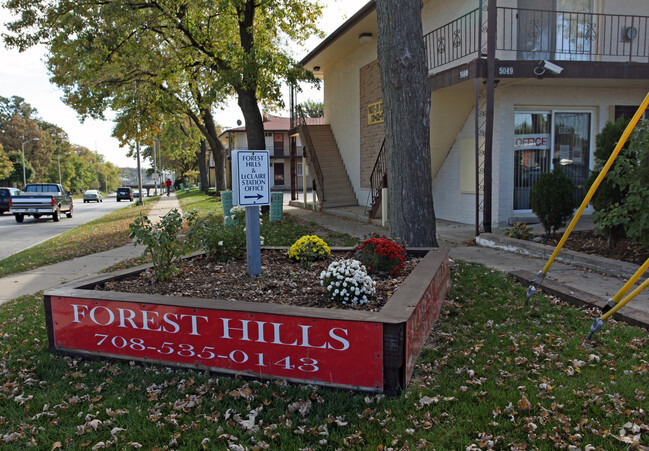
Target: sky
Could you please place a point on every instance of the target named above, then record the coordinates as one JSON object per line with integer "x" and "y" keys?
{"x": 25, "y": 75}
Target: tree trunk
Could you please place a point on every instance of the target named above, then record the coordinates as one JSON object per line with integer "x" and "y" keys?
{"x": 207, "y": 126}
{"x": 201, "y": 157}
{"x": 254, "y": 121}
{"x": 218, "y": 151}
{"x": 406, "y": 107}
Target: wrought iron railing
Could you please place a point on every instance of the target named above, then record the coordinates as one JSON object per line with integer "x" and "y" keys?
{"x": 311, "y": 154}
{"x": 528, "y": 34}
{"x": 453, "y": 41}
{"x": 378, "y": 180}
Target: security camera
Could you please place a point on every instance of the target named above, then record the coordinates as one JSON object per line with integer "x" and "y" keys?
{"x": 550, "y": 66}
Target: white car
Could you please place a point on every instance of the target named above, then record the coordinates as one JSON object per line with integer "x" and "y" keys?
{"x": 92, "y": 195}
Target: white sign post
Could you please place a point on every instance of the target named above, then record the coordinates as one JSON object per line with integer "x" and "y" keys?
{"x": 250, "y": 189}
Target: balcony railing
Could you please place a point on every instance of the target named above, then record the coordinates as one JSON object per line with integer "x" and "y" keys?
{"x": 528, "y": 34}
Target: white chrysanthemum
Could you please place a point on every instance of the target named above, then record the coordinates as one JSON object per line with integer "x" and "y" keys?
{"x": 352, "y": 276}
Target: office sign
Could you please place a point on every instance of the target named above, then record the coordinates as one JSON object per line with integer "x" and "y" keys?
{"x": 250, "y": 177}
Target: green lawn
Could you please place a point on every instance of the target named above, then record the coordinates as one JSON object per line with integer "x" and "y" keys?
{"x": 493, "y": 375}
{"x": 108, "y": 232}
{"x": 279, "y": 233}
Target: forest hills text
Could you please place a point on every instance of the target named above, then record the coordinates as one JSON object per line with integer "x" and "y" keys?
{"x": 253, "y": 181}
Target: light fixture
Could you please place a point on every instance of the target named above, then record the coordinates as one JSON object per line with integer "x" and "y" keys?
{"x": 316, "y": 68}
{"x": 365, "y": 37}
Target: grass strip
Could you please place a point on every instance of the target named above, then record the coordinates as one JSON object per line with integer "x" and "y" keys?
{"x": 102, "y": 234}
{"x": 493, "y": 375}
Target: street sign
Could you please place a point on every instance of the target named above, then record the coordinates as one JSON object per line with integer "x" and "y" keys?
{"x": 250, "y": 177}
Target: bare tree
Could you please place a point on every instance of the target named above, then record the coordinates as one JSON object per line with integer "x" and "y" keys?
{"x": 406, "y": 106}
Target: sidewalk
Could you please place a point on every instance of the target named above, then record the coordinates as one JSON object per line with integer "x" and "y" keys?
{"x": 578, "y": 275}
{"x": 39, "y": 279}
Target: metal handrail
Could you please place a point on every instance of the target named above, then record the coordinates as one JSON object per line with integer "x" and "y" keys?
{"x": 541, "y": 34}
{"x": 378, "y": 179}
{"x": 313, "y": 158}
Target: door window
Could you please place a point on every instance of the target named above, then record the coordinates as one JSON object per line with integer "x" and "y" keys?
{"x": 279, "y": 173}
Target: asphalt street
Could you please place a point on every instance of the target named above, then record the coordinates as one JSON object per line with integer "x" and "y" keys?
{"x": 19, "y": 236}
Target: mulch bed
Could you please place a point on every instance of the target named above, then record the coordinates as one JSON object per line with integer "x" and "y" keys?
{"x": 594, "y": 244}
{"x": 281, "y": 282}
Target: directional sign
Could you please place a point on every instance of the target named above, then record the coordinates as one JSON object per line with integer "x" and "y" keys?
{"x": 250, "y": 177}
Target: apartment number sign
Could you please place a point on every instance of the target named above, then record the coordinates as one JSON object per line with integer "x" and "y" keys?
{"x": 375, "y": 113}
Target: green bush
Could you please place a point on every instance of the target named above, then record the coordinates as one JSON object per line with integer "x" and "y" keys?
{"x": 219, "y": 241}
{"x": 627, "y": 211}
{"x": 161, "y": 241}
{"x": 552, "y": 199}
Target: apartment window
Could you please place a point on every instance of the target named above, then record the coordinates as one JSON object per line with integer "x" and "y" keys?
{"x": 299, "y": 170}
{"x": 627, "y": 111}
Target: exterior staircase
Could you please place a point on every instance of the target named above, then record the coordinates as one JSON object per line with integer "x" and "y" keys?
{"x": 336, "y": 187}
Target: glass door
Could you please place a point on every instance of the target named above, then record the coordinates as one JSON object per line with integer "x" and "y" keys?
{"x": 572, "y": 148}
{"x": 545, "y": 140}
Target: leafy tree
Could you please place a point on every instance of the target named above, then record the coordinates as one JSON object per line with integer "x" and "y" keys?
{"x": 313, "y": 108}
{"x": 628, "y": 179}
{"x": 194, "y": 53}
{"x": 552, "y": 199}
{"x": 406, "y": 105}
{"x": 15, "y": 177}
{"x": 6, "y": 166}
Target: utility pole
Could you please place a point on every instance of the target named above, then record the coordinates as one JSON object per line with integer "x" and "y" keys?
{"x": 139, "y": 173}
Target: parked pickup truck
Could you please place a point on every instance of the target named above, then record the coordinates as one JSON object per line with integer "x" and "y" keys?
{"x": 41, "y": 199}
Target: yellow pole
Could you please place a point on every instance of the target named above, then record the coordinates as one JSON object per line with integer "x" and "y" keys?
{"x": 598, "y": 180}
{"x": 630, "y": 282}
{"x": 625, "y": 301}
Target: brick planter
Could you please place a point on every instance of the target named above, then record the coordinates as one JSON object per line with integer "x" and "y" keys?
{"x": 371, "y": 351}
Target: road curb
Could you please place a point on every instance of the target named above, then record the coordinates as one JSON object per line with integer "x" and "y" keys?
{"x": 598, "y": 264}
{"x": 580, "y": 298}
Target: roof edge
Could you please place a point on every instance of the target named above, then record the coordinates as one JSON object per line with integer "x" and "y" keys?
{"x": 360, "y": 14}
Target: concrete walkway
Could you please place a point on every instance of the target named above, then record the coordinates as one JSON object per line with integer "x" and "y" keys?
{"x": 46, "y": 277}
{"x": 593, "y": 280}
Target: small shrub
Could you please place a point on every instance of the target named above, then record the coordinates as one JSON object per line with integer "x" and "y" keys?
{"x": 161, "y": 241}
{"x": 219, "y": 241}
{"x": 552, "y": 199}
{"x": 520, "y": 231}
{"x": 347, "y": 281}
{"x": 309, "y": 248}
{"x": 381, "y": 255}
{"x": 238, "y": 214}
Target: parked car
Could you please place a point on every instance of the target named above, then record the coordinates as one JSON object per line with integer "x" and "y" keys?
{"x": 136, "y": 194}
{"x": 5, "y": 195}
{"x": 124, "y": 193}
{"x": 92, "y": 195}
{"x": 41, "y": 199}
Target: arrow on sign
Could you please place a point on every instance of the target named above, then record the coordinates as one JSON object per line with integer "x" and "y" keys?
{"x": 258, "y": 196}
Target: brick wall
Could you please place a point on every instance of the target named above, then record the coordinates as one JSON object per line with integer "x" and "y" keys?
{"x": 371, "y": 135}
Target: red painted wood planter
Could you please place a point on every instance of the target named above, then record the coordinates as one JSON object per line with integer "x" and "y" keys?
{"x": 372, "y": 351}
